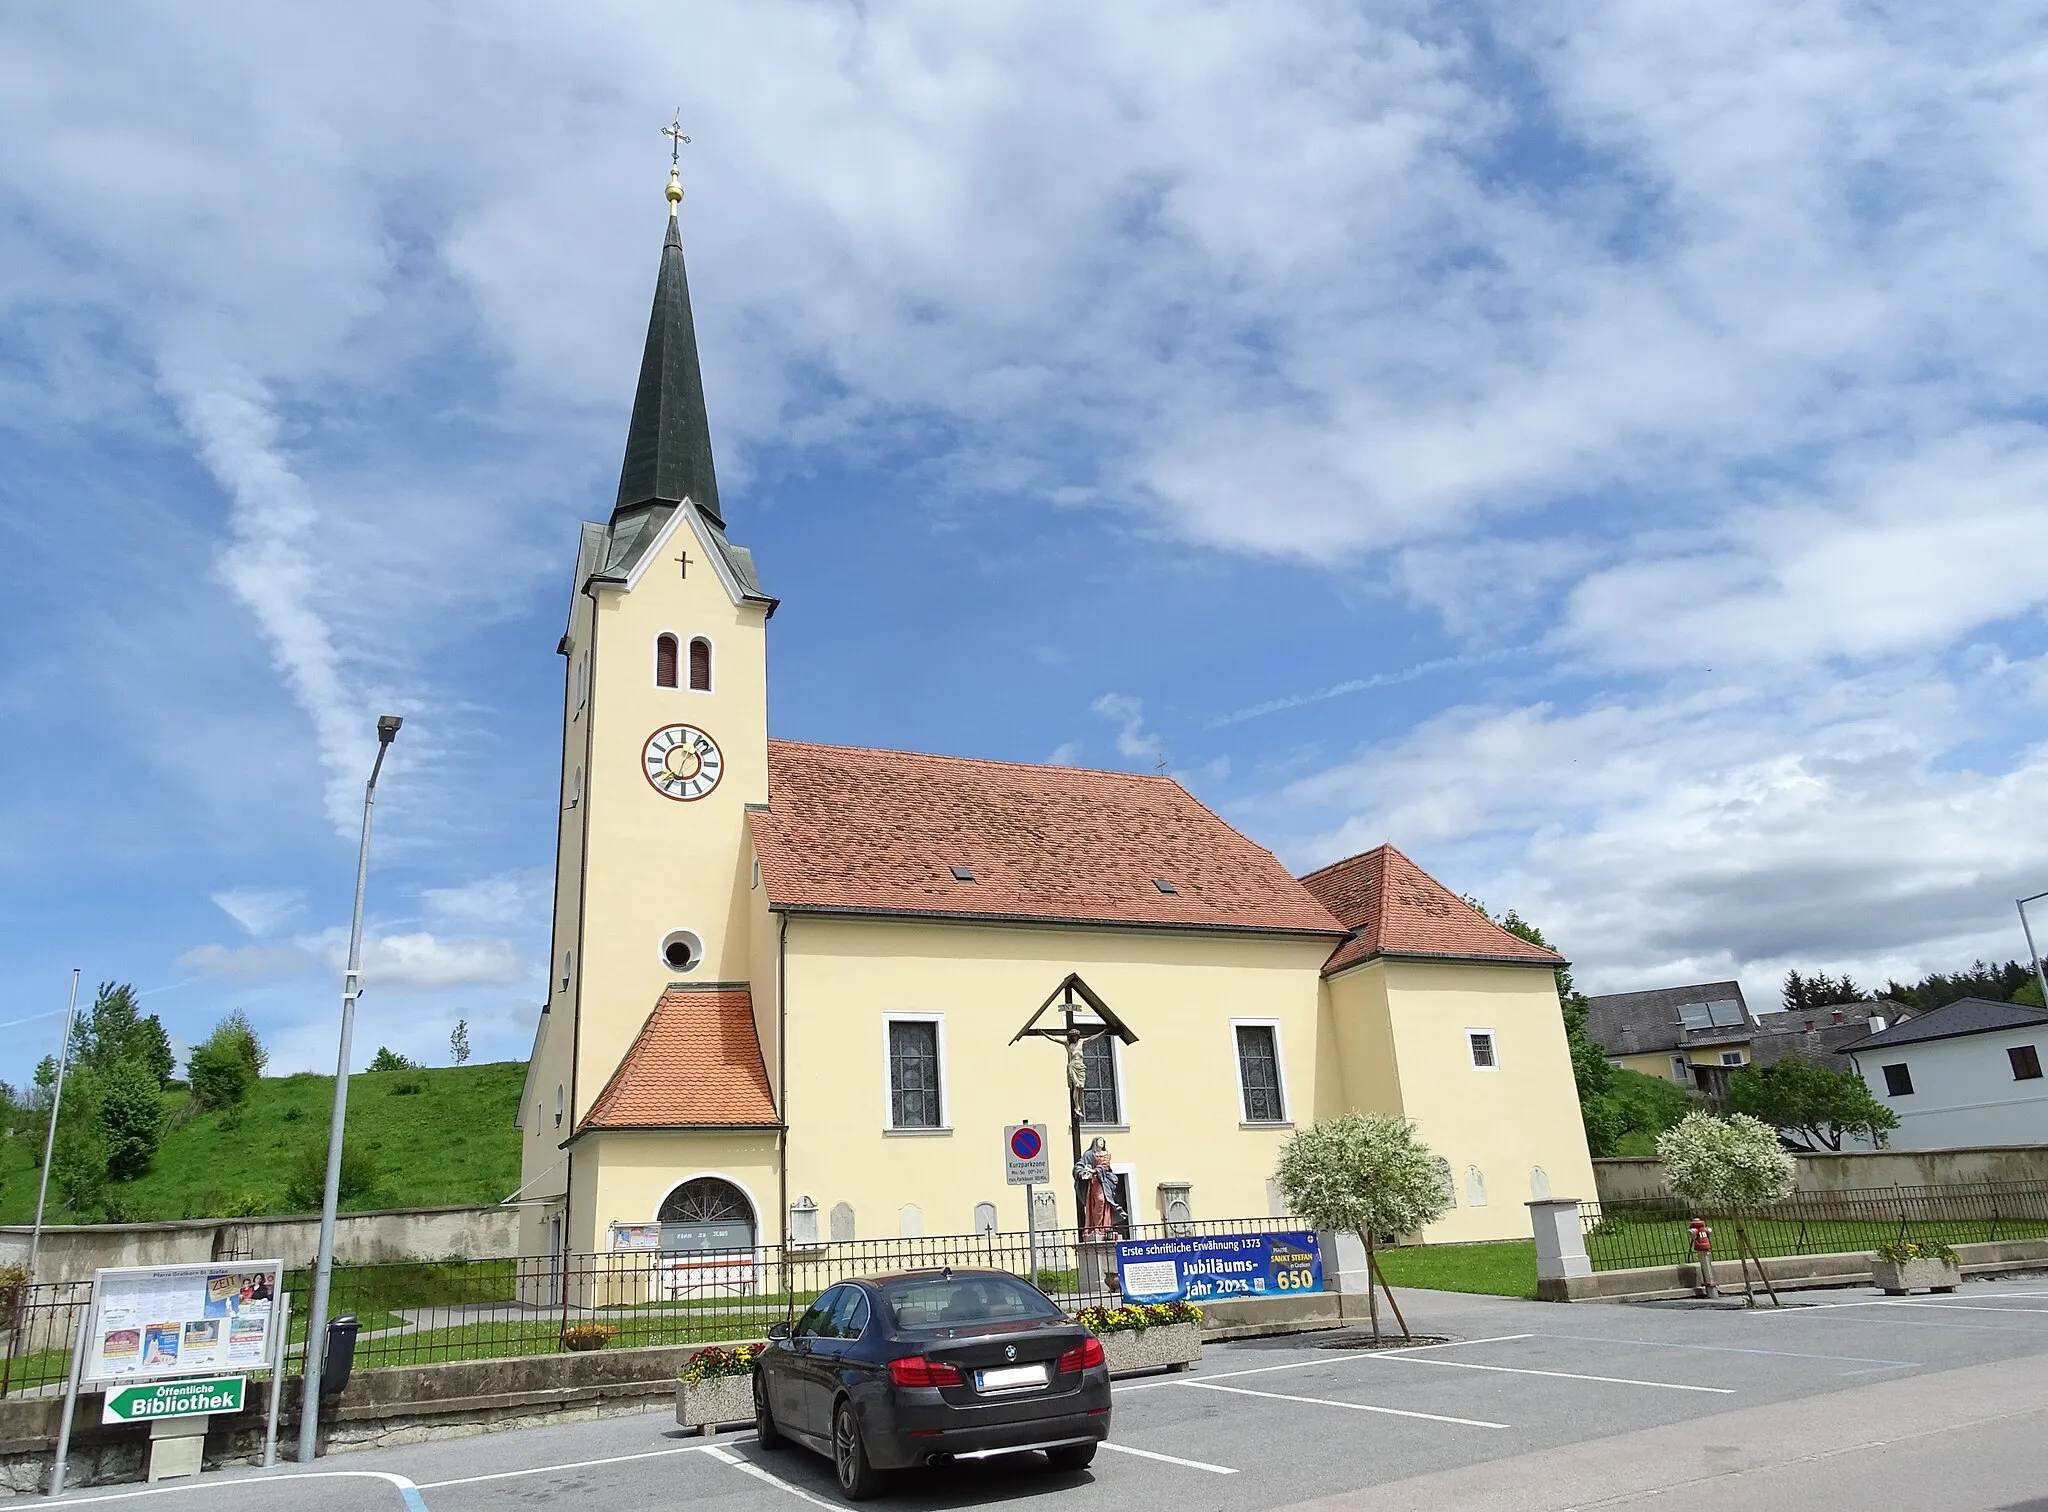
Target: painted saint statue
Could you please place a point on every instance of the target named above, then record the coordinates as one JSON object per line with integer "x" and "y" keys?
{"x": 1100, "y": 1213}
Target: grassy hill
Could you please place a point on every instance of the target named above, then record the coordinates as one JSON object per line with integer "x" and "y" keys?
{"x": 436, "y": 1135}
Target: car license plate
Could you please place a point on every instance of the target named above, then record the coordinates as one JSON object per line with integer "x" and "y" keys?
{"x": 1009, "y": 1378}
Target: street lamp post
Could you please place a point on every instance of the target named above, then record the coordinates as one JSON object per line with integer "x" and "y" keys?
{"x": 35, "y": 1238}
{"x": 351, "y": 989}
{"x": 2033, "y": 954}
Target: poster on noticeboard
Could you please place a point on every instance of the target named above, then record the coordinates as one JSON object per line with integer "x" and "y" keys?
{"x": 150, "y": 1322}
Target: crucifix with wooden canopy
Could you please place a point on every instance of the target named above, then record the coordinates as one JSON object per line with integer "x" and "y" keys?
{"x": 1083, "y": 1017}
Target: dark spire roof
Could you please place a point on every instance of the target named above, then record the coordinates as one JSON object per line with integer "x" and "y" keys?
{"x": 668, "y": 445}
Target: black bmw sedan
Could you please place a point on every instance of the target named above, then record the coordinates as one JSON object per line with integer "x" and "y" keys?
{"x": 893, "y": 1371}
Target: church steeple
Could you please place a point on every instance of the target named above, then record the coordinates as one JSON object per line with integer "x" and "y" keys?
{"x": 668, "y": 444}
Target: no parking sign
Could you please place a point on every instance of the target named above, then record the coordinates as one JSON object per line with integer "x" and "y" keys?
{"x": 1025, "y": 1157}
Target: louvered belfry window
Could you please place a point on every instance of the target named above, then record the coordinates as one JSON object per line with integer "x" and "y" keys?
{"x": 700, "y": 665}
{"x": 1258, "y": 1070}
{"x": 665, "y": 661}
{"x": 913, "y": 1074}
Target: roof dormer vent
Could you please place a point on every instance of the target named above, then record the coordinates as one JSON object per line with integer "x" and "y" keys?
{"x": 963, "y": 874}
{"x": 1166, "y": 887}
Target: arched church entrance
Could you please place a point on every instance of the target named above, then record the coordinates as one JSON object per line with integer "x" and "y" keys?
{"x": 706, "y": 1213}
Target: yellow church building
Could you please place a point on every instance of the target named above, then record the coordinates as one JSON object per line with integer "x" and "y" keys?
{"x": 786, "y": 977}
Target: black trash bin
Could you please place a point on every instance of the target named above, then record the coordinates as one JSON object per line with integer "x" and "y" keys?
{"x": 341, "y": 1355}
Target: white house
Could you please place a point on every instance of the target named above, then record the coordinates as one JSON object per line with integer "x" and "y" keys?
{"x": 1966, "y": 1074}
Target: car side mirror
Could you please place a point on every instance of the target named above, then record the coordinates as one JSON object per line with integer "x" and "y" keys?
{"x": 778, "y": 1330}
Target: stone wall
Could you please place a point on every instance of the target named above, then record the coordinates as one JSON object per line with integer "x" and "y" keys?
{"x": 1637, "y": 1180}
{"x": 74, "y": 1252}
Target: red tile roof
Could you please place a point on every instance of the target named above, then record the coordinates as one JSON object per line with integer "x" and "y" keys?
{"x": 1399, "y": 909}
{"x": 696, "y": 1061}
{"x": 866, "y": 831}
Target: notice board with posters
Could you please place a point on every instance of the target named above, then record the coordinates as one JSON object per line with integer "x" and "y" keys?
{"x": 159, "y": 1321}
{"x": 1202, "y": 1267}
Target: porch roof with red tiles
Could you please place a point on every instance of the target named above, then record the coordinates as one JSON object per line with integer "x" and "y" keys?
{"x": 1395, "y": 908}
{"x": 696, "y": 1063}
{"x": 854, "y": 830}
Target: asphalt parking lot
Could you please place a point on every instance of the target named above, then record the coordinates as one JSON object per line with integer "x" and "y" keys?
{"x": 1840, "y": 1399}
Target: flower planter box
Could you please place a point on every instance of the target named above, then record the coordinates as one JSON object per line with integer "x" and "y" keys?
{"x": 1170, "y": 1346}
{"x": 1897, "y": 1277}
{"x": 704, "y": 1405}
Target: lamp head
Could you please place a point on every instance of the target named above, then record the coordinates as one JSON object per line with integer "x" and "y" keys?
{"x": 387, "y": 728}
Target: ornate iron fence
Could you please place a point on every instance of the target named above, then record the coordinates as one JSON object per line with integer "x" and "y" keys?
{"x": 419, "y": 1312}
{"x": 1628, "y": 1235}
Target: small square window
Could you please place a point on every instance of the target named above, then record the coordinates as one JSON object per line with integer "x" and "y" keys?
{"x": 1681, "y": 1069}
{"x": 2026, "y": 1062}
{"x": 1731, "y": 1057}
{"x": 963, "y": 874}
{"x": 1482, "y": 1049}
{"x": 1898, "y": 1081}
{"x": 1166, "y": 887}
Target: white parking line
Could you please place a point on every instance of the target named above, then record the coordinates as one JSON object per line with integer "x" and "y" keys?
{"x": 615, "y": 1459}
{"x": 1433, "y": 1417}
{"x": 1167, "y": 1459}
{"x": 407, "y": 1491}
{"x": 2039, "y": 1312}
{"x": 1335, "y": 1359}
{"x": 748, "y": 1467}
{"x": 1559, "y": 1375}
{"x": 1783, "y": 1354}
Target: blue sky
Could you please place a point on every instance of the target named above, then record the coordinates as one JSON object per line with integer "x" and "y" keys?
{"x": 1595, "y": 447}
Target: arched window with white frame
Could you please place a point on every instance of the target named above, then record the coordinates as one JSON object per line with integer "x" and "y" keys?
{"x": 700, "y": 665}
{"x": 664, "y": 661}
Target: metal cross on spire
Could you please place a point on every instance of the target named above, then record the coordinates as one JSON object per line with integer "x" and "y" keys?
{"x": 677, "y": 141}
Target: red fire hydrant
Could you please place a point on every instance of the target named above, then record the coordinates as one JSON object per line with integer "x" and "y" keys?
{"x": 1703, "y": 1246}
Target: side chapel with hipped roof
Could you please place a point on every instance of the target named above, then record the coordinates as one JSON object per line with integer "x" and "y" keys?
{"x": 785, "y": 976}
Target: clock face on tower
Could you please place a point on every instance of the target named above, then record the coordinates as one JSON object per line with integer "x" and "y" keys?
{"x": 682, "y": 762}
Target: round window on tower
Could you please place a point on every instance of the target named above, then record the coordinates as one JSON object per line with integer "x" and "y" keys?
{"x": 681, "y": 950}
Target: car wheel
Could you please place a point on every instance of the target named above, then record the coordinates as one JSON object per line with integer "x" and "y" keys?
{"x": 857, "y": 1478}
{"x": 1071, "y": 1456}
{"x": 765, "y": 1432}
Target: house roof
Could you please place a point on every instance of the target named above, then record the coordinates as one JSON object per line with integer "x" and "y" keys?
{"x": 1964, "y": 1016}
{"x": 853, "y": 830}
{"x": 695, "y": 1062}
{"x": 1394, "y": 908}
{"x": 1634, "y": 1023}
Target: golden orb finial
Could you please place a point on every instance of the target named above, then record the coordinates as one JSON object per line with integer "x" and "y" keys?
{"x": 675, "y": 190}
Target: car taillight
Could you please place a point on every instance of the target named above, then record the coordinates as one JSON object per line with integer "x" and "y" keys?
{"x": 916, "y": 1370}
{"x": 1083, "y": 1356}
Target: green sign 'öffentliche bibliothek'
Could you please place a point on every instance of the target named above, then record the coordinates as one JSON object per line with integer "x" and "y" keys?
{"x": 162, "y": 1399}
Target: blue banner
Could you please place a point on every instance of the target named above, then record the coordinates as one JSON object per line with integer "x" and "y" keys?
{"x": 1209, "y": 1266}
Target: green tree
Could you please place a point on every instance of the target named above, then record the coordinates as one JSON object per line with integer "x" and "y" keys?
{"x": 306, "y": 1187}
{"x": 1814, "y": 1107}
{"x": 78, "y": 1161}
{"x": 2001, "y": 984}
{"x": 1365, "y": 1173}
{"x": 219, "y": 1075}
{"x": 458, "y": 1041}
{"x": 236, "y": 1030}
{"x": 115, "y": 1029}
{"x": 1806, "y": 994}
{"x": 1734, "y": 1164}
{"x": 387, "y": 1059}
{"x": 2030, "y": 994}
{"x": 131, "y": 1116}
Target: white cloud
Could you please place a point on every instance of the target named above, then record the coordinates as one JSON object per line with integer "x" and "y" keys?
{"x": 249, "y": 960}
{"x": 260, "y": 910}
{"x": 1724, "y": 832}
{"x": 506, "y": 899}
{"x": 1128, "y": 715}
{"x": 424, "y": 962}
